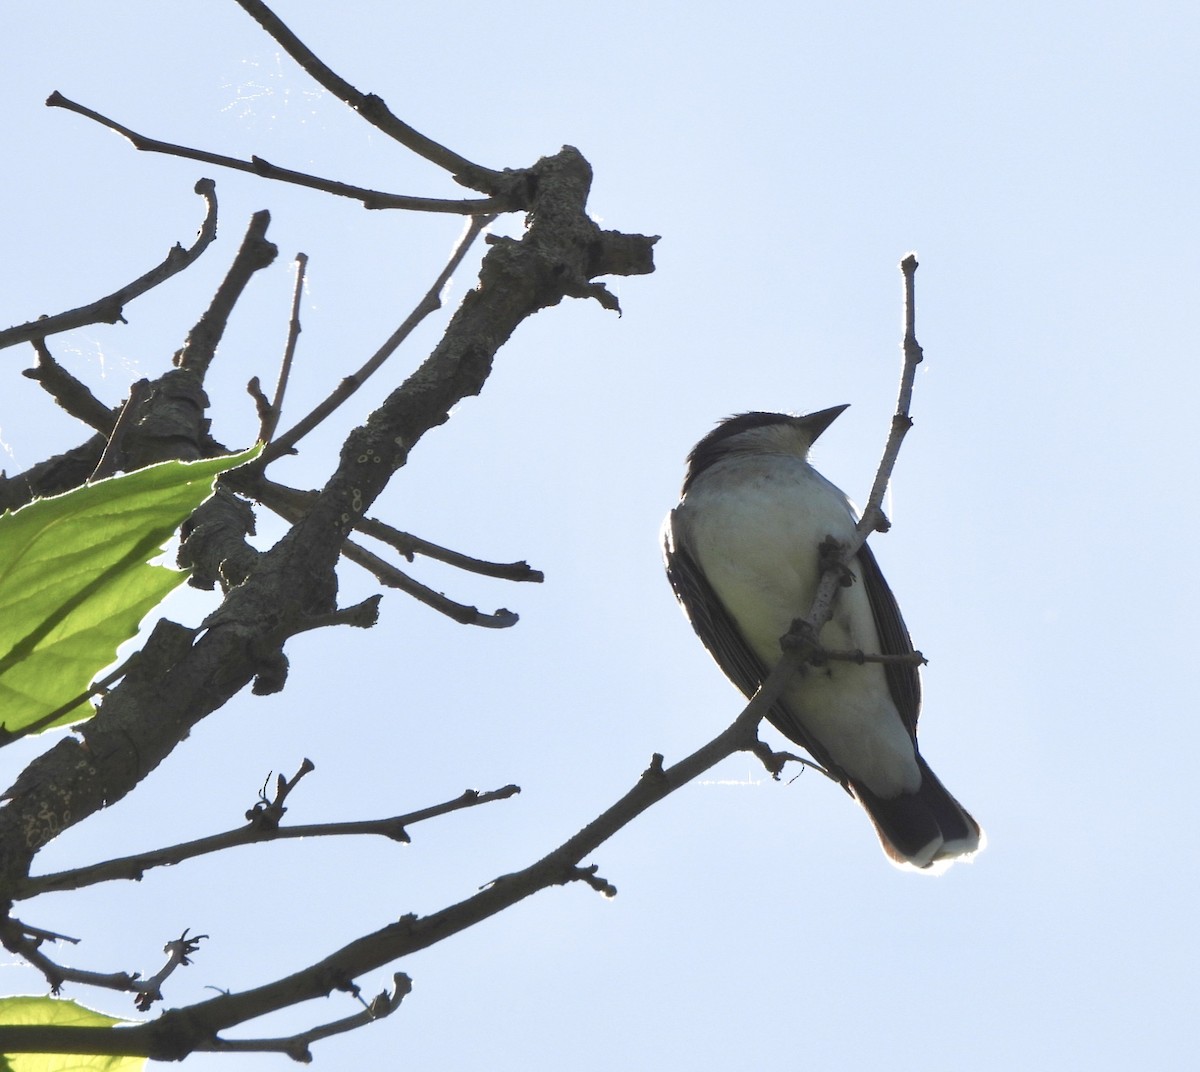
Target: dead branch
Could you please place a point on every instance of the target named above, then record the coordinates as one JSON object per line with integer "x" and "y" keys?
{"x": 872, "y": 518}
{"x": 72, "y": 394}
{"x": 256, "y": 165}
{"x": 430, "y": 303}
{"x": 179, "y": 952}
{"x": 111, "y": 309}
{"x": 255, "y": 832}
{"x": 270, "y": 413}
{"x": 409, "y": 546}
{"x": 26, "y": 942}
{"x": 254, "y": 254}
{"x": 372, "y": 108}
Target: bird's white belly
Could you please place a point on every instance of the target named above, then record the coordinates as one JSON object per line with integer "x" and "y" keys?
{"x": 756, "y": 541}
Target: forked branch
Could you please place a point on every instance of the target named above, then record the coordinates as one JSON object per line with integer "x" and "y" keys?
{"x": 394, "y": 828}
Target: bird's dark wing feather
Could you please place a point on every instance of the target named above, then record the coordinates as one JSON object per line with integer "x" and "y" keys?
{"x": 904, "y": 682}
{"x": 712, "y": 622}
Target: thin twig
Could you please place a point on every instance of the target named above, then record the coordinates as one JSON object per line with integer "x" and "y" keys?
{"x": 291, "y": 505}
{"x": 297, "y": 1046}
{"x": 372, "y": 199}
{"x": 872, "y": 518}
{"x": 43, "y": 935}
{"x": 110, "y": 460}
{"x": 273, "y": 494}
{"x": 387, "y": 574}
{"x": 430, "y": 303}
{"x": 262, "y": 404}
{"x": 110, "y": 310}
{"x": 25, "y": 941}
{"x": 409, "y": 545}
{"x": 270, "y": 420}
{"x": 134, "y": 867}
{"x": 857, "y": 655}
{"x": 913, "y": 354}
{"x": 372, "y": 108}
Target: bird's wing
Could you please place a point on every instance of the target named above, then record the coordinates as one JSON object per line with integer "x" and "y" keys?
{"x": 712, "y": 622}
{"x": 904, "y": 682}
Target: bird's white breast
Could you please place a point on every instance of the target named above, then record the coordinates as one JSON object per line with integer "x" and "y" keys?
{"x": 753, "y": 523}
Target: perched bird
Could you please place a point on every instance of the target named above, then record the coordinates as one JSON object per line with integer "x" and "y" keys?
{"x": 742, "y": 553}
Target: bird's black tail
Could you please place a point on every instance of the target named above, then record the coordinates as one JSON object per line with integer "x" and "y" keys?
{"x": 922, "y": 829}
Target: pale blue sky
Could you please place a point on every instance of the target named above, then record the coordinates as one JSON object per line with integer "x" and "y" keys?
{"x": 1042, "y": 161}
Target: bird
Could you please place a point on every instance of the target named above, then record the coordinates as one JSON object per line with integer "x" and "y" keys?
{"x": 743, "y": 555}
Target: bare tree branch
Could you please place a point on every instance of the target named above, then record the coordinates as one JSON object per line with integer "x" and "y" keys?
{"x": 134, "y": 867}
{"x": 430, "y": 303}
{"x": 375, "y": 111}
{"x": 26, "y": 941}
{"x": 111, "y": 309}
{"x": 374, "y": 199}
{"x": 110, "y": 460}
{"x": 297, "y": 1046}
{"x": 179, "y": 952}
{"x": 872, "y": 519}
{"x": 872, "y": 516}
{"x": 409, "y": 545}
{"x": 254, "y": 254}
{"x": 270, "y": 418}
{"x": 387, "y": 574}
{"x": 71, "y": 394}
{"x": 291, "y": 503}
{"x": 292, "y": 506}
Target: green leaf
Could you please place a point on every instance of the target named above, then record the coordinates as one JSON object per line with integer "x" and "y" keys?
{"x": 40, "y": 1011}
{"x": 75, "y": 581}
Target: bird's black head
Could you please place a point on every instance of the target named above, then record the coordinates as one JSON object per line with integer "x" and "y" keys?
{"x": 758, "y": 432}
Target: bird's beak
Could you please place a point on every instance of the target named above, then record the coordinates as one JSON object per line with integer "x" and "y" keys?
{"x": 816, "y": 423}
